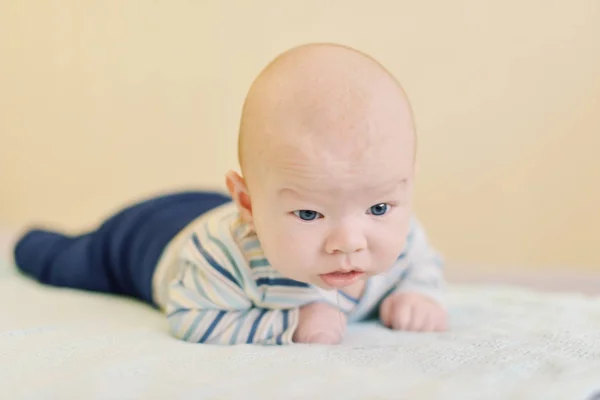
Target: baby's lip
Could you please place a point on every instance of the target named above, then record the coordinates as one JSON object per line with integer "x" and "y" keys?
{"x": 341, "y": 278}
{"x": 346, "y": 270}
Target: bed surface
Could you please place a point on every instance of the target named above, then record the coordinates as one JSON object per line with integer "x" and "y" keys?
{"x": 505, "y": 342}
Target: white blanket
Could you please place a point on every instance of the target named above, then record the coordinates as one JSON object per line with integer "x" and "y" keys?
{"x": 504, "y": 343}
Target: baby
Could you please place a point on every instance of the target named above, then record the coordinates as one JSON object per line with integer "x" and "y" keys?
{"x": 318, "y": 231}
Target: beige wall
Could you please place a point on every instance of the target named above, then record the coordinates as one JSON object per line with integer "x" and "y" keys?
{"x": 102, "y": 102}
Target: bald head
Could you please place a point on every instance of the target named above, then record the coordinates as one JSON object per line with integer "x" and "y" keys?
{"x": 321, "y": 95}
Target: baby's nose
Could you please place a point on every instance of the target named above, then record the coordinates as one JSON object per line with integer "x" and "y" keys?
{"x": 345, "y": 241}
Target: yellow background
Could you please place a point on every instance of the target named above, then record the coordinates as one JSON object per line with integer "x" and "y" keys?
{"x": 105, "y": 102}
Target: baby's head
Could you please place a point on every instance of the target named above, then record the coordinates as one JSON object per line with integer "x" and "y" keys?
{"x": 327, "y": 147}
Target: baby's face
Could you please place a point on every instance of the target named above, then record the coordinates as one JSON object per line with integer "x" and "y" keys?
{"x": 327, "y": 149}
{"x": 330, "y": 218}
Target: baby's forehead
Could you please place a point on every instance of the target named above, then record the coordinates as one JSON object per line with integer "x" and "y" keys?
{"x": 323, "y": 171}
{"x": 366, "y": 125}
{"x": 354, "y": 145}
{"x": 336, "y": 158}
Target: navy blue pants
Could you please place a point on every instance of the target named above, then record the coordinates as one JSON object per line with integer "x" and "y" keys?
{"x": 121, "y": 255}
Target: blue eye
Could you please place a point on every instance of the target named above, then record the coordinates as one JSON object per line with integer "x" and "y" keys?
{"x": 307, "y": 215}
{"x": 379, "y": 209}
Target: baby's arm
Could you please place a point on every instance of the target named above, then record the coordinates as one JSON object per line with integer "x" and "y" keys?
{"x": 208, "y": 305}
{"x": 417, "y": 301}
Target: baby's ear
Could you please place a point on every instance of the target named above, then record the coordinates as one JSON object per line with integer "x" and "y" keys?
{"x": 239, "y": 193}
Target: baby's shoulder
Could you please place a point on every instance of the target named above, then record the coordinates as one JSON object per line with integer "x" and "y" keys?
{"x": 217, "y": 237}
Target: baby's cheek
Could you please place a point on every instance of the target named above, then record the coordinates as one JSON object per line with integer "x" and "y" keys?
{"x": 294, "y": 246}
{"x": 297, "y": 242}
{"x": 388, "y": 248}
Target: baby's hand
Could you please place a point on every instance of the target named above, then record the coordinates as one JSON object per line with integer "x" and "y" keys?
{"x": 320, "y": 323}
{"x": 412, "y": 312}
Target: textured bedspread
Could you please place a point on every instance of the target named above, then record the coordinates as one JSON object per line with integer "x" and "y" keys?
{"x": 505, "y": 343}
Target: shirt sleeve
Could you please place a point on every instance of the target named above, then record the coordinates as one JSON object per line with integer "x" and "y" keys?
{"x": 424, "y": 274}
{"x": 207, "y": 303}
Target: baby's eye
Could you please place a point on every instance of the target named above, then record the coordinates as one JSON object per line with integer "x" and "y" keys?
{"x": 379, "y": 209}
{"x": 307, "y": 215}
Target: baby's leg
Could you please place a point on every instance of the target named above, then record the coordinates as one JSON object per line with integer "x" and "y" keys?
{"x": 121, "y": 255}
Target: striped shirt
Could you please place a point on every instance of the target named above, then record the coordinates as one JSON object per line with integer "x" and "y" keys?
{"x": 216, "y": 286}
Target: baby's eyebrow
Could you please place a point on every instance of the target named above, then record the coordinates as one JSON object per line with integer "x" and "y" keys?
{"x": 286, "y": 191}
{"x": 377, "y": 189}
{"x": 388, "y": 186}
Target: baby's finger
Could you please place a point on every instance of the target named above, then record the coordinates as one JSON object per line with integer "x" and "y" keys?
{"x": 437, "y": 320}
{"x": 441, "y": 321}
{"x": 325, "y": 338}
{"x": 385, "y": 313}
{"x": 419, "y": 318}
{"x": 432, "y": 322}
{"x": 401, "y": 316}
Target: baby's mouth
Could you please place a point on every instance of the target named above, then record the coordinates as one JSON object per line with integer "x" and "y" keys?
{"x": 339, "y": 279}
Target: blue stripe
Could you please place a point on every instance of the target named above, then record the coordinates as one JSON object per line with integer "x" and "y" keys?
{"x": 347, "y": 296}
{"x": 255, "y": 325}
{"x": 251, "y": 245}
{"x": 212, "y": 326}
{"x": 198, "y": 286}
{"x": 286, "y": 322}
{"x": 293, "y": 299}
{"x": 174, "y": 313}
{"x": 212, "y": 261}
{"x": 241, "y": 230}
{"x": 260, "y": 262}
{"x": 194, "y": 325}
{"x": 280, "y": 282}
{"x": 240, "y": 322}
{"x": 386, "y": 294}
{"x": 411, "y": 232}
{"x": 225, "y": 251}
{"x": 405, "y": 273}
{"x": 178, "y": 308}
